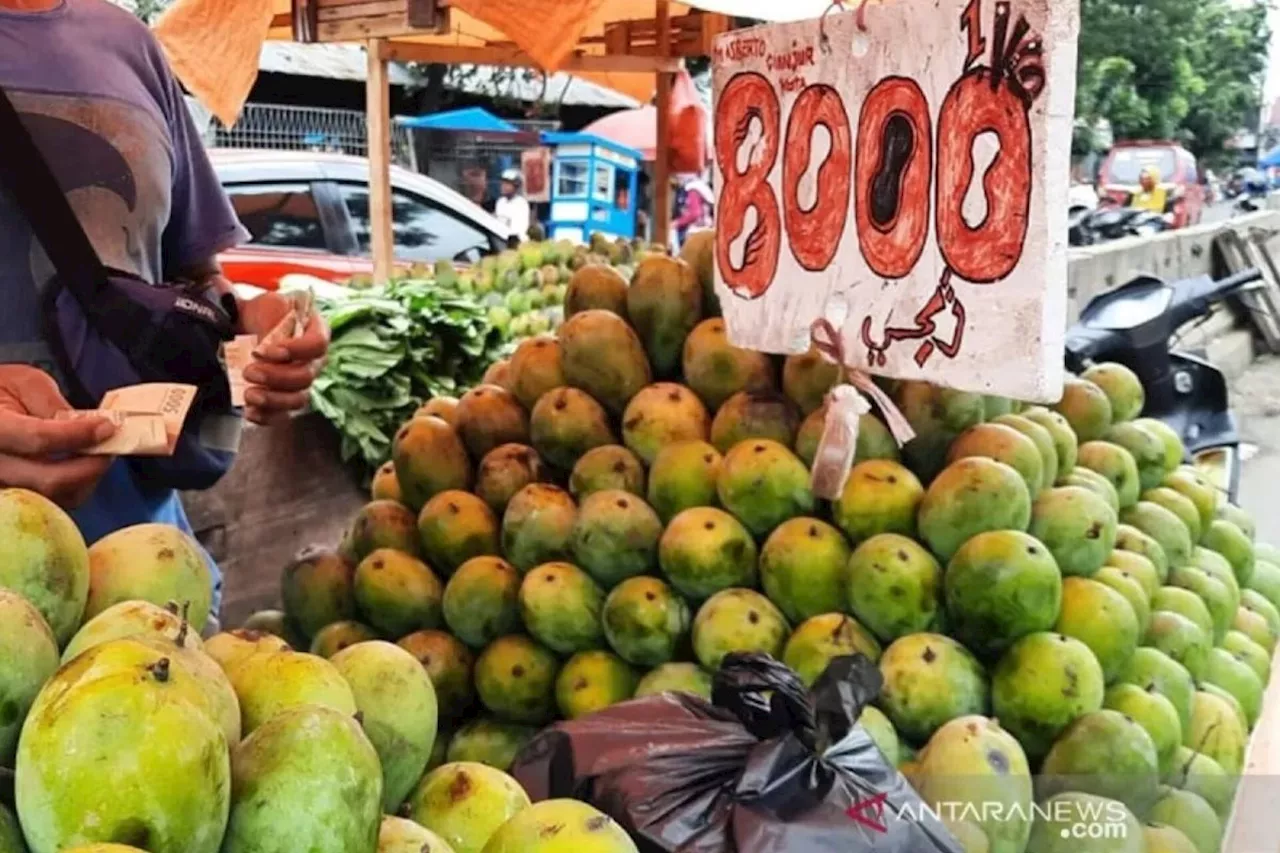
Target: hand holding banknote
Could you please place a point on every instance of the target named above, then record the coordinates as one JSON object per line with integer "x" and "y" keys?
{"x": 291, "y": 342}
{"x": 40, "y": 452}
{"x": 148, "y": 419}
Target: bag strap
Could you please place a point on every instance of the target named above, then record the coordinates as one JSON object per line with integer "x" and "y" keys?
{"x": 25, "y": 173}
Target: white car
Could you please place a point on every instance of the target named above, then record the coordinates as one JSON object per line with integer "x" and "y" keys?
{"x": 308, "y": 212}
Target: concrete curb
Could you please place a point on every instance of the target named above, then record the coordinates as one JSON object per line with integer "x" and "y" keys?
{"x": 1174, "y": 255}
{"x": 1232, "y": 352}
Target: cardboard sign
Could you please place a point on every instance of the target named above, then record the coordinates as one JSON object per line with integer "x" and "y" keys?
{"x": 907, "y": 182}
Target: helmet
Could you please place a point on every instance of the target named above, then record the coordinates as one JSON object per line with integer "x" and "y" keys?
{"x": 512, "y": 176}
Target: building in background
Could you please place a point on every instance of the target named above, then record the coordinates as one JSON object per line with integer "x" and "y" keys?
{"x": 312, "y": 97}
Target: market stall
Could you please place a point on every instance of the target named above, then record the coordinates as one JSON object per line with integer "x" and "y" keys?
{"x": 635, "y": 46}
{"x": 468, "y": 133}
{"x": 593, "y": 187}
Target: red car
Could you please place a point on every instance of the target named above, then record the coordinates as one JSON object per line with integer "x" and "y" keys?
{"x": 1179, "y": 177}
{"x": 308, "y": 212}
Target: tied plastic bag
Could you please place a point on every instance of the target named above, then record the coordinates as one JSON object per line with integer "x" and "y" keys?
{"x": 764, "y": 768}
{"x": 689, "y": 149}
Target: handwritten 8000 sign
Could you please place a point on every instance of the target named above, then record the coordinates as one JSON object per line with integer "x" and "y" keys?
{"x": 907, "y": 176}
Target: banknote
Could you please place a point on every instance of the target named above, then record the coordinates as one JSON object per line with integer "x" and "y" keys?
{"x": 295, "y": 322}
{"x": 148, "y": 418}
{"x": 238, "y": 353}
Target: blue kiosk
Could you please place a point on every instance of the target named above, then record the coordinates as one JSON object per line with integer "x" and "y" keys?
{"x": 593, "y": 187}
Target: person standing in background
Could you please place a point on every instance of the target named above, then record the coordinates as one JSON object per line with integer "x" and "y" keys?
{"x": 1150, "y": 196}
{"x": 695, "y": 211}
{"x": 643, "y": 201}
{"x": 512, "y": 208}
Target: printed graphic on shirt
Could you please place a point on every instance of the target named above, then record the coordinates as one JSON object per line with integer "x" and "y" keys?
{"x": 113, "y": 162}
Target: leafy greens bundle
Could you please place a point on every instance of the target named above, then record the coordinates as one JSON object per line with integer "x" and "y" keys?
{"x": 393, "y": 348}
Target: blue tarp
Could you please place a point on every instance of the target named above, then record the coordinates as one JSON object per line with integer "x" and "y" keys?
{"x": 469, "y": 120}
{"x": 1270, "y": 159}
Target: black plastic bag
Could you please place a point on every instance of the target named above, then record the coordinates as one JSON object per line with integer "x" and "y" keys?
{"x": 765, "y": 767}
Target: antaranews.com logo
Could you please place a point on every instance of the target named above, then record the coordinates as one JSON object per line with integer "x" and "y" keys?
{"x": 1080, "y": 820}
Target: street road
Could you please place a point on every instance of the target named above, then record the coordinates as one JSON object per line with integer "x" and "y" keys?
{"x": 1256, "y": 399}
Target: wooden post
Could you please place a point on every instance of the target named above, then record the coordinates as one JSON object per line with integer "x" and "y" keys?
{"x": 661, "y": 158}
{"x": 378, "y": 118}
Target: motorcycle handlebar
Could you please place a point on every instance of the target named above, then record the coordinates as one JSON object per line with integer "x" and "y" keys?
{"x": 1202, "y": 297}
{"x": 1082, "y": 346}
{"x": 1240, "y": 279}
{"x": 1193, "y": 298}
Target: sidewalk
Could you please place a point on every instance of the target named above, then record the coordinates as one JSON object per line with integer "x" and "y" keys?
{"x": 1256, "y": 398}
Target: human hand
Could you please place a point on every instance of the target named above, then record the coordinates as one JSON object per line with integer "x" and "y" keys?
{"x": 38, "y": 452}
{"x": 281, "y": 374}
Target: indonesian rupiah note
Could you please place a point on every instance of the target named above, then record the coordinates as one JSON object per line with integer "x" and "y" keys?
{"x": 148, "y": 419}
{"x": 295, "y": 322}
{"x": 238, "y": 353}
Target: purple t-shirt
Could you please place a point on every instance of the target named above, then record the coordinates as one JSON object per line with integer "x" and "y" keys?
{"x": 96, "y": 94}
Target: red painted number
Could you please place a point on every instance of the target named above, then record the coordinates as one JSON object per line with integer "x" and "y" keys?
{"x": 988, "y": 251}
{"x": 748, "y": 105}
{"x": 814, "y": 234}
{"x": 895, "y": 161}
{"x": 888, "y": 173}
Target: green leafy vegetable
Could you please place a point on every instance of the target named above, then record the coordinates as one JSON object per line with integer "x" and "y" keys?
{"x": 392, "y": 349}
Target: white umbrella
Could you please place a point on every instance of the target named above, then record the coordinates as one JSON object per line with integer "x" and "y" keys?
{"x": 768, "y": 10}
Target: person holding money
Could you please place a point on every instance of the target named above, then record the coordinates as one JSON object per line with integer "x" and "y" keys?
{"x": 112, "y": 123}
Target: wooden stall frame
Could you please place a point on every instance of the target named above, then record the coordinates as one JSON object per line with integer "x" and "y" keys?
{"x": 509, "y": 55}
{"x": 691, "y": 35}
{"x": 653, "y": 47}
{"x": 378, "y": 97}
{"x": 661, "y": 154}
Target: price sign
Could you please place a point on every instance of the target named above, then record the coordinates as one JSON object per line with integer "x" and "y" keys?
{"x": 902, "y": 172}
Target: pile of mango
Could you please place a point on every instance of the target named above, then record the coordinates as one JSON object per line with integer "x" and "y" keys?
{"x": 121, "y": 730}
{"x": 1073, "y": 629}
{"x": 524, "y": 288}
{"x": 1061, "y": 608}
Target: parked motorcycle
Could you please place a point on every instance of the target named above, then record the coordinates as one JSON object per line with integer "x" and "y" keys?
{"x": 1246, "y": 181}
{"x": 1133, "y": 325}
{"x": 1079, "y": 232}
{"x": 1250, "y": 201}
{"x": 1110, "y": 222}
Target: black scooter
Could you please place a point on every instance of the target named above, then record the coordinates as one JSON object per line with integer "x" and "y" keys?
{"x": 1133, "y": 325}
{"x": 1089, "y": 227}
{"x": 1079, "y": 231}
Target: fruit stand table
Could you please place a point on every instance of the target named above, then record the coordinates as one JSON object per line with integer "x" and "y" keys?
{"x": 289, "y": 488}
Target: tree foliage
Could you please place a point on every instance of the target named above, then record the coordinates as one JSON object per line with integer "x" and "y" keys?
{"x": 1171, "y": 69}
{"x": 146, "y": 10}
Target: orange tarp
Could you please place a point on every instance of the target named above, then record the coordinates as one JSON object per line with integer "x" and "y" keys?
{"x": 547, "y": 30}
{"x": 480, "y": 26}
{"x": 497, "y": 21}
{"x": 214, "y": 45}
